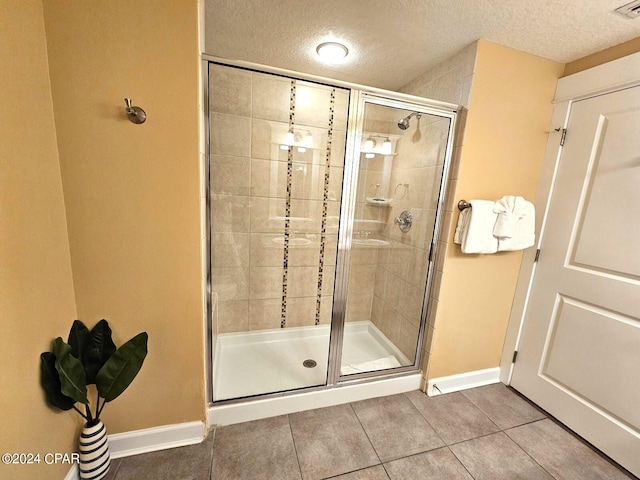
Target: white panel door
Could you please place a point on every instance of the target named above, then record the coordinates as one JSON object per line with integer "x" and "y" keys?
{"x": 579, "y": 354}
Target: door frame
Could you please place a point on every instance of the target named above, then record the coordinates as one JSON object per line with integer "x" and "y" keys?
{"x": 599, "y": 80}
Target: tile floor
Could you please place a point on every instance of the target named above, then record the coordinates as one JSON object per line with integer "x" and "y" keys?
{"x": 485, "y": 433}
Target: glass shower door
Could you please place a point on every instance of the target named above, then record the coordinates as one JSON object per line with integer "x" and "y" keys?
{"x": 401, "y": 162}
{"x": 277, "y": 159}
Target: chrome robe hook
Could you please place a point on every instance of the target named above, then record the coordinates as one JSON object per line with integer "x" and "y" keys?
{"x": 135, "y": 114}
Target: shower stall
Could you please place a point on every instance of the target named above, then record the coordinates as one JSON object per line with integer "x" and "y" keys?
{"x": 324, "y": 205}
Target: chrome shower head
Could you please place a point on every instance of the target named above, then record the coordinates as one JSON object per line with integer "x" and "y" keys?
{"x": 403, "y": 123}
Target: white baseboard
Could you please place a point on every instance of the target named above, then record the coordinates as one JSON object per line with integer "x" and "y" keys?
{"x": 157, "y": 438}
{"x": 150, "y": 440}
{"x": 73, "y": 474}
{"x": 463, "y": 381}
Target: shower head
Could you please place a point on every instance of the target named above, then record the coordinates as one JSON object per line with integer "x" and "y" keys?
{"x": 403, "y": 123}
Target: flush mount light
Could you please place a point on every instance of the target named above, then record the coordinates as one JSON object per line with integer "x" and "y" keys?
{"x": 332, "y": 52}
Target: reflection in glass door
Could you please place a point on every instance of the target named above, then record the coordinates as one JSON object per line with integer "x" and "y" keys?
{"x": 401, "y": 162}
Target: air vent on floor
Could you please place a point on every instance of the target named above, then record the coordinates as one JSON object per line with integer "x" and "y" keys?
{"x": 631, "y": 10}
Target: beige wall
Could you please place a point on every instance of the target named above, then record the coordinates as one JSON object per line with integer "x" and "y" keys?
{"x": 37, "y": 298}
{"x": 132, "y": 192}
{"x": 603, "y": 56}
{"x": 502, "y": 149}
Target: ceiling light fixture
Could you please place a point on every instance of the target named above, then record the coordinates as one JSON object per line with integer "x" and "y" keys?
{"x": 332, "y": 52}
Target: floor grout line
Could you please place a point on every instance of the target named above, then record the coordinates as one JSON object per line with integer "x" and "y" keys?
{"x": 295, "y": 448}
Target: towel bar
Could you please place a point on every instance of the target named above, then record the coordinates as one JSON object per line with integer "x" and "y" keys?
{"x": 463, "y": 204}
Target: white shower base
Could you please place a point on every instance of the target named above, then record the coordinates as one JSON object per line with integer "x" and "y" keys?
{"x": 254, "y": 363}
{"x": 273, "y": 360}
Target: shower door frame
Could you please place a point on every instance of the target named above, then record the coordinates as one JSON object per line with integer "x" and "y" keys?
{"x": 359, "y": 96}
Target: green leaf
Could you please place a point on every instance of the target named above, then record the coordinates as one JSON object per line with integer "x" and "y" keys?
{"x": 100, "y": 348}
{"x": 123, "y": 366}
{"x": 51, "y": 383}
{"x": 72, "y": 377}
{"x": 78, "y": 339}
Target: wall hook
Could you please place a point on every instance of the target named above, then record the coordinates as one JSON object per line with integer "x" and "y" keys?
{"x": 136, "y": 114}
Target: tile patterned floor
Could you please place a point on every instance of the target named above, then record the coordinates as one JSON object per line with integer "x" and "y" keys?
{"x": 484, "y": 433}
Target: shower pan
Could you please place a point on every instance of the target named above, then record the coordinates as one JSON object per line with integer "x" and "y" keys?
{"x": 323, "y": 213}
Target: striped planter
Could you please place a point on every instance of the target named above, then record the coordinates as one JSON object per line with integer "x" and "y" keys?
{"x": 94, "y": 452}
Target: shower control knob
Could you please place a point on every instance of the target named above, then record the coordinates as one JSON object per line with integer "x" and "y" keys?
{"x": 404, "y": 221}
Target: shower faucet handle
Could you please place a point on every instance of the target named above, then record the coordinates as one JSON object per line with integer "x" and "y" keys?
{"x": 404, "y": 221}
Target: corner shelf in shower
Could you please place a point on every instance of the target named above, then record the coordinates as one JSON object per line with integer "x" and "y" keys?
{"x": 379, "y": 201}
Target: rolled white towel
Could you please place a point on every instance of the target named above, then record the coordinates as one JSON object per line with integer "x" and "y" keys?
{"x": 478, "y": 236}
{"x": 379, "y": 364}
{"x": 461, "y": 227}
{"x": 510, "y": 210}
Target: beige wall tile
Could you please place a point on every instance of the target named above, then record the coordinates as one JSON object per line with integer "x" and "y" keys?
{"x": 230, "y": 90}
{"x": 377, "y": 311}
{"x": 341, "y": 109}
{"x": 230, "y": 249}
{"x": 312, "y": 105}
{"x": 307, "y": 255}
{"x": 363, "y": 254}
{"x": 270, "y": 97}
{"x": 230, "y": 135}
{"x": 328, "y": 280}
{"x": 390, "y": 324}
{"x": 359, "y": 307}
{"x": 361, "y": 279}
{"x": 230, "y": 175}
{"x": 233, "y": 316}
{"x": 303, "y": 281}
{"x": 266, "y": 282}
{"x": 265, "y": 314}
{"x": 326, "y": 309}
{"x": 408, "y": 338}
{"x": 411, "y": 304}
{"x": 230, "y": 283}
{"x": 417, "y": 268}
{"x": 267, "y": 250}
{"x": 230, "y": 213}
{"x": 301, "y": 311}
{"x": 267, "y": 215}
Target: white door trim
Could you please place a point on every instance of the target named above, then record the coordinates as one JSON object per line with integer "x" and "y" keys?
{"x": 615, "y": 75}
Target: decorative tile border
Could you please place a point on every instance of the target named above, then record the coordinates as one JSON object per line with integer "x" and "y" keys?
{"x": 287, "y": 214}
{"x": 325, "y": 201}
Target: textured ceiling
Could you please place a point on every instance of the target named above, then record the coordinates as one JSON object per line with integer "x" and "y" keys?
{"x": 391, "y": 42}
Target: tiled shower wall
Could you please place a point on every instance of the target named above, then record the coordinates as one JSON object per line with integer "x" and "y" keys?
{"x": 399, "y": 269}
{"x": 449, "y": 81}
{"x": 250, "y": 117}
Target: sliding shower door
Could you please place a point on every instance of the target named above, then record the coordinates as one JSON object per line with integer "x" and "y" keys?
{"x": 276, "y": 166}
{"x": 322, "y": 207}
{"x": 399, "y": 163}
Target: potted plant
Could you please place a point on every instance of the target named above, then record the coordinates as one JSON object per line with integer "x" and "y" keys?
{"x": 90, "y": 357}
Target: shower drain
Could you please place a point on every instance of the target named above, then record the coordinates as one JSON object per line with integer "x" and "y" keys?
{"x": 309, "y": 363}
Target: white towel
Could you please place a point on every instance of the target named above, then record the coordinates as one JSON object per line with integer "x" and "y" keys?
{"x": 524, "y": 235}
{"x": 380, "y": 364}
{"x": 461, "y": 227}
{"x": 510, "y": 210}
{"x": 475, "y": 228}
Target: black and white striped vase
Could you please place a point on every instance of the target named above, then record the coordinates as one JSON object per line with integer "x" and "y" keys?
{"x": 94, "y": 451}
